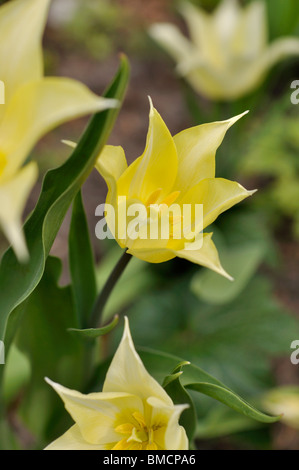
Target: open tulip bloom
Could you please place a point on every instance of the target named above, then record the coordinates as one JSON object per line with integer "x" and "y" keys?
{"x": 176, "y": 170}
{"x": 33, "y": 105}
{"x": 228, "y": 54}
{"x": 133, "y": 412}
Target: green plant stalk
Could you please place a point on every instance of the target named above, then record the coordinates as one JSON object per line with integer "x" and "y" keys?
{"x": 97, "y": 313}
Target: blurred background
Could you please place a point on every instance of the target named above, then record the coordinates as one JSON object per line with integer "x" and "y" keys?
{"x": 240, "y": 332}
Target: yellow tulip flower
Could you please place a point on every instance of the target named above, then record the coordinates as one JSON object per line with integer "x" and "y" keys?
{"x": 33, "y": 105}
{"x": 133, "y": 412}
{"x": 180, "y": 170}
{"x": 228, "y": 54}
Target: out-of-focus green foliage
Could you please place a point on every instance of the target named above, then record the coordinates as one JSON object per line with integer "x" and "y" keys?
{"x": 102, "y": 28}
{"x": 135, "y": 282}
{"x": 273, "y": 154}
{"x": 94, "y": 26}
{"x": 52, "y": 350}
{"x": 233, "y": 334}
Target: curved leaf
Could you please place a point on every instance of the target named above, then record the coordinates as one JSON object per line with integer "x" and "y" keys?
{"x": 92, "y": 333}
{"x": 179, "y": 396}
{"x": 196, "y": 379}
{"x": 60, "y": 186}
{"x": 231, "y": 399}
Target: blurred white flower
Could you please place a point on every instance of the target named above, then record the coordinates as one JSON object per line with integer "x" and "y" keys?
{"x": 228, "y": 54}
{"x": 285, "y": 401}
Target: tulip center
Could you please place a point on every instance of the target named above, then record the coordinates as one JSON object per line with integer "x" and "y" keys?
{"x": 137, "y": 435}
{"x": 168, "y": 200}
{"x": 166, "y": 211}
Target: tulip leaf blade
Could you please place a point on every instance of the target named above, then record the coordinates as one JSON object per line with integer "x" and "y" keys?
{"x": 81, "y": 262}
{"x": 180, "y": 396}
{"x": 51, "y": 350}
{"x": 231, "y": 399}
{"x": 93, "y": 333}
{"x": 59, "y": 188}
{"x": 196, "y": 379}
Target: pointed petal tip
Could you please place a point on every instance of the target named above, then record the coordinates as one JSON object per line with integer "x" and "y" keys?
{"x": 56, "y": 386}
{"x": 69, "y": 143}
{"x": 127, "y": 331}
{"x": 151, "y": 105}
{"x": 234, "y": 119}
{"x": 49, "y": 381}
{"x": 105, "y": 103}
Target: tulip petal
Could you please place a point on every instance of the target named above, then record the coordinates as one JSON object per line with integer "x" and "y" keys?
{"x": 96, "y": 413}
{"x": 279, "y": 50}
{"x": 158, "y": 165}
{"x": 21, "y": 25}
{"x": 13, "y": 197}
{"x": 73, "y": 440}
{"x": 39, "y": 106}
{"x": 207, "y": 256}
{"x": 174, "y": 437}
{"x": 200, "y": 25}
{"x": 225, "y": 20}
{"x": 127, "y": 373}
{"x": 111, "y": 164}
{"x": 172, "y": 40}
{"x": 252, "y": 32}
{"x": 216, "y": 195}
{"x": 152, "y": 256}
{"x": 196, "y": 149}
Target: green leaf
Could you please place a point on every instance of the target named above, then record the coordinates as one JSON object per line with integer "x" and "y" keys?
{"x": 179, "y": 395}
{"x": 81, "y": 263}
{"x": 52, "y": 351}
{"x": 17, "y": 374}
{"x": 92, "y": 333}
{"x": 235, "y": 341}
{"x": 240, "y": 262}
{"x": 223, "y": 421}
{"x": 8, "y": 440}
{"x": 196, "y": 379}
{"x": 60, "y": 186}
{"x": 231, "y": 399}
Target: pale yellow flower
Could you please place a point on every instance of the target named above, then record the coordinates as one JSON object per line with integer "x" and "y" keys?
{"x": 33, "y": 106}
{"x": 180, "y": 170}
{"x": 284, "y": 401}
{"x": 133, "y": 412}
{"x": 228, "y": 54}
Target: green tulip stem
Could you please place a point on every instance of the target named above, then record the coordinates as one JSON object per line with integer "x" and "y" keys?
{"x": 96, "y": 316}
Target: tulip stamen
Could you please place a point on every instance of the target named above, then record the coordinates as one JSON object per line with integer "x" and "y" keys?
{"x": 139, "y": 436}
{"x": 171, "y": 198}
{"x": 153, "y": 197}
